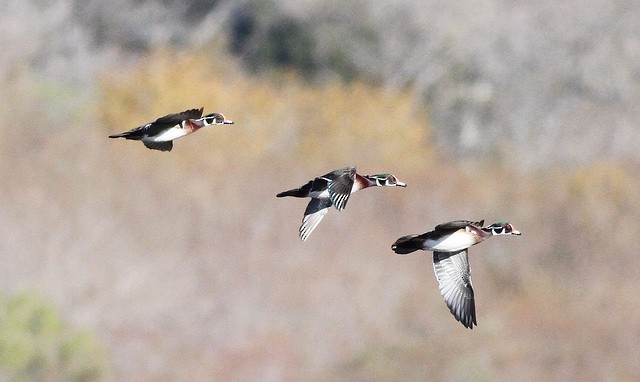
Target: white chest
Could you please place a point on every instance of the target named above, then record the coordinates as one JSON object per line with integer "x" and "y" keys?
{"x": 169, "y": 135}
{"x": 452, "y": 243}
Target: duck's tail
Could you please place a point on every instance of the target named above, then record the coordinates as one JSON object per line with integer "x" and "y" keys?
{"x": 121, "y": 135}
{"x": 131, "y": 134}
{"x": 301, "y": 192}
{"x": 408, "y": 244}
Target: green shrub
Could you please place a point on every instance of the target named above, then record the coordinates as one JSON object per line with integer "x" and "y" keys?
{"x": 35, "y": 344}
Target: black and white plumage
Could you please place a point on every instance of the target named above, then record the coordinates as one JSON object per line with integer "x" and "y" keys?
{"x": 159, "y": 135}
{"x": 454, "y": 280}
{"x": 449, "y": 243}
{"x": 334, "y": 189}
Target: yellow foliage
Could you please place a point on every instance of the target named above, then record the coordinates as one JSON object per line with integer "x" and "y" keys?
{"x": 606, "y": 181}
{"x": 607, "y": 193}
{"x": 279, "y": 116}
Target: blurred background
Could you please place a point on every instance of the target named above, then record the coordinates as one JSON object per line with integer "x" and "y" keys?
{"x": 122, "y": 263}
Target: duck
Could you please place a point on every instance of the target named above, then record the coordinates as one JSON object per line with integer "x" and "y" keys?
{"x": 450, "y": 243}
{"x": 334, "y": 189}
{"x": 159, "y": 134}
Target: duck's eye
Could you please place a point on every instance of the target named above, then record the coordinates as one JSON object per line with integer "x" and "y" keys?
{"x": 219, "y": 118}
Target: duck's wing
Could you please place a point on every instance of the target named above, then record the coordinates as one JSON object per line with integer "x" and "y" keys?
{"x": 162, "y": 146}
{"x": 316, "y": 209}
{"x": 175, "y": 118}
{"x": 457, "y": 224}
{"x": 333, "y": 175}
{"x": 454, "y": 279}
{"x": 340, "y": 187}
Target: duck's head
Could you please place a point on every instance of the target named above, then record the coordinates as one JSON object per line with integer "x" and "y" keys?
{"x": 501, "y": 228}
{"x": 386, "y": 180}
{"x": 216, "y": 119}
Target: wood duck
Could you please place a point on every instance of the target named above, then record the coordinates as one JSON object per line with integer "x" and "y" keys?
{"x": 449, "y": 243}
{"x": 334, "y": 189}
{"x": 159, "y": 135}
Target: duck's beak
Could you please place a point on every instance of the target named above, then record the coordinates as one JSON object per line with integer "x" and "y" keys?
{"x": 515, "y": 232}
{"x": 400, "y": 184}
{"x": 227, "y": 122}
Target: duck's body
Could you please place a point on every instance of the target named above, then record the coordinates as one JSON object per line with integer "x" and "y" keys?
{"x": 159, "y": 135}
{"x": 447, "y": 237}
{"x": 449, "y": 243}
{"x": 334, "y": 189}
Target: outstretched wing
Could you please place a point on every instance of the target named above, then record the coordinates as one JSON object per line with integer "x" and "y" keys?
{"x": 340, "y": 187}
{"x": 316, "y": 209}
{"x": 454, "y": 279}
{"x": 333, "y": 175}
{"x": 457, "y": 224}
{"x": 172, "y": 119}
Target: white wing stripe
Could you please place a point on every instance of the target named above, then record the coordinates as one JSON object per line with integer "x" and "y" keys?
{"x": 310, "y": 222}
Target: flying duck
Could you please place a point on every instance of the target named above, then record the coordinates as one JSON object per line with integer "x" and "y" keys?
{"x": 334, "y": 189}
{"x": 449, "y": 243}
{"x": 159, "y": 135}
